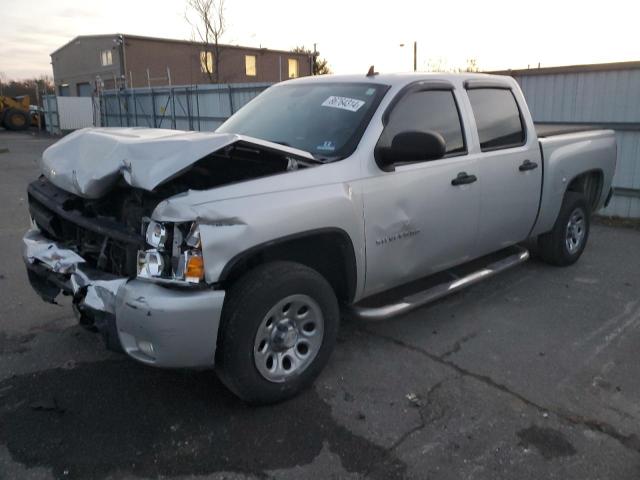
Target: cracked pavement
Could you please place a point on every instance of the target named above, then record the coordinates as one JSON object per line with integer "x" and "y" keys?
{"x": 532, "y": 374}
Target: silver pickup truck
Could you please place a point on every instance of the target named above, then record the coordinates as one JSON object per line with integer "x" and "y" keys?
{"x": 365, "y": 195}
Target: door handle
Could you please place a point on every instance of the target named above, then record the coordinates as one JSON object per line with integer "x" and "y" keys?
{"x": 527, "y": 165}
{"x": 464, "y": 178}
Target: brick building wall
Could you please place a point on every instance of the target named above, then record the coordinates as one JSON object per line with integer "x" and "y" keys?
{"x": 77, "y": 64}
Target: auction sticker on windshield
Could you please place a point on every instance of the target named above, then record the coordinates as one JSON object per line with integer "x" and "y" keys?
{"x": 344, "y": 103}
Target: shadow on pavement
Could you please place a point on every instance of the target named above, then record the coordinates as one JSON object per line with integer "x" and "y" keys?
{"x": 110, "y": 417}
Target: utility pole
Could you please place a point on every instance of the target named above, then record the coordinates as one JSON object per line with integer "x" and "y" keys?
{"x": 415, "y": 55}
{"x": 313, "y": 59}
{"x": 119, "y": 42}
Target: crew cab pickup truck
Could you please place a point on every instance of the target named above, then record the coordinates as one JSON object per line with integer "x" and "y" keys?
{"x": 371, "y": 195}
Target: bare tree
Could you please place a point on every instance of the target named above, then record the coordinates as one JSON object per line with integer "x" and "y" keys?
{"x": 29, "y": 86}
{"x": 472, "y": 65}
{"x": 207, "y": 19}
{"x": 441, "y": 64}
{"x": 320, "y": 65}
{"x": 437, "y": 64}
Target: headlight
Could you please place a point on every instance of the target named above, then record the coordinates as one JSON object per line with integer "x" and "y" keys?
{"x": 193, "y": 237}
{"x": 150, "y": 263}
{"x": 156, "y": 234}
{"x": 176, "y": 254}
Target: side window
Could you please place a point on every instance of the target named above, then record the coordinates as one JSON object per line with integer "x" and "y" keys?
{"x": 206, "y": 62}
{"x": 106, "y": 58}
{"x": 497, "y": 117}
{"x": 250, "y": 65}
{"x": 293, "y": 68}
{"x": 429, "y": 110}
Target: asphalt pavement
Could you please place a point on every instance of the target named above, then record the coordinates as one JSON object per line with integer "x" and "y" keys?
{"x": 533, "y": 374}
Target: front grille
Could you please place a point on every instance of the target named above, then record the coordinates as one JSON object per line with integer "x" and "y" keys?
{"x": 104, "y": 241}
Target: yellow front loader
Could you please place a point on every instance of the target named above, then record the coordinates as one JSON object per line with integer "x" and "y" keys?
{"x": 14, "y": 112}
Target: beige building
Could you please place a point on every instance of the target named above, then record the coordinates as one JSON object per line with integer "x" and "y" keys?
{"x": 106, "y": 61}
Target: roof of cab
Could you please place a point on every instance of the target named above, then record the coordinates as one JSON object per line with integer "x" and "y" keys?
{"x": 401, "y": 79}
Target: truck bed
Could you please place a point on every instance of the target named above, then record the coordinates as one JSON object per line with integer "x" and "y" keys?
{"x": 544, "y": 130}
{"x": 569, "y": 151}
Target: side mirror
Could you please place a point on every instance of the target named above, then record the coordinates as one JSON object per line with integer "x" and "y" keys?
{"x": 411, "y": 146}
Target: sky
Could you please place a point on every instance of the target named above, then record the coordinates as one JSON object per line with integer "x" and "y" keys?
{"x": 351, "y": 35}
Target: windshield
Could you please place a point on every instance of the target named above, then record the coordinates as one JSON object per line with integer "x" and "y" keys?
{"x": 324, "y": 119}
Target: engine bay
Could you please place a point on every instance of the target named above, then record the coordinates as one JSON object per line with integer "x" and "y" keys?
{"x": 107, "y": 231}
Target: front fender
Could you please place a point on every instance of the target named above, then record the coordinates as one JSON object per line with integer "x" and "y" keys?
{"x": 229, "y": 227}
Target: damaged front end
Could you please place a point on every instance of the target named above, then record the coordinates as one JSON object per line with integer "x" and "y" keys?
{"x": 137, "y": 280}
{"x": 165, "y": 327}
{"x": 52, "y": 270}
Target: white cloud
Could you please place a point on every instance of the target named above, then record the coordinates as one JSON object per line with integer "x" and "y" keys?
{"x": 351, "y": 35}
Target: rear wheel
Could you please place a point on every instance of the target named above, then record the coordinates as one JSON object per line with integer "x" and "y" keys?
{"x": 278, "y": 330}
{"x": 564, "y": 244}
{"x": 15, "y": 119}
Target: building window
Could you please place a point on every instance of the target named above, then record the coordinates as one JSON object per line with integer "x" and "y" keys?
{"x": 106, "y": 58}
{"x": 250, "y": 65}
{"x": 84, "y": 89}
{"x": 206, "y": 62}
{"x": 293, "y": 68}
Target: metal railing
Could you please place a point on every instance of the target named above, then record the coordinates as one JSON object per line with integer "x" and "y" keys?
{"x": 190, "y": 107}
{"x": 51, "y": 117}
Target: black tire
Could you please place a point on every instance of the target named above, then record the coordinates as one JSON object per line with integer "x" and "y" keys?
{"x": 246, "y": 306}
{"x": 553, "y": 246}
{"x": 15, "y": 119}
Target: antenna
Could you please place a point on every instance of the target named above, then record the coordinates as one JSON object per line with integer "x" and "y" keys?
{"x": 371, "y": 71}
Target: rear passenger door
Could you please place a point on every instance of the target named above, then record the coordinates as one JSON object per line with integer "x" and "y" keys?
{"x": 510, "y": 171}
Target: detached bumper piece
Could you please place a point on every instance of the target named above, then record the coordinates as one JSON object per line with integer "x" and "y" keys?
{"x": 154, "y": 324}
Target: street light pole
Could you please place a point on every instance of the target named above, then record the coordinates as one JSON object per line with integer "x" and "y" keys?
{"x": 415, "y": 56}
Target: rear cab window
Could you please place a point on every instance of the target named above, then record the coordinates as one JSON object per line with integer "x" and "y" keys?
{"x": 498, "y": 118}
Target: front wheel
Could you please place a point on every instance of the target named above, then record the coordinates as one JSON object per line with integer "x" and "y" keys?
{"x": 278, "y": 329}
{"x": 564, "y": 244}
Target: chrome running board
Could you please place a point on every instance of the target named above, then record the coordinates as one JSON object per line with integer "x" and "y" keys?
{"x": 432, "y": 294}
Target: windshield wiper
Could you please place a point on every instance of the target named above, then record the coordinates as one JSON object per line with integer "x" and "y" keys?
{"x": 316, "y": 157}
{"x": 325, "y": 159}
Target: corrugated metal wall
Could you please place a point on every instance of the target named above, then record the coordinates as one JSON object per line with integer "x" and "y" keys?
{"x": 75, "y": 112}
{"x": 194, "y": 107}
{"x": 69, "y": 113}
{"x": 609, "y": 99}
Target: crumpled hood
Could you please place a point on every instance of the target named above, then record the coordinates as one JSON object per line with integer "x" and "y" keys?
{"x": 90, "y": 161}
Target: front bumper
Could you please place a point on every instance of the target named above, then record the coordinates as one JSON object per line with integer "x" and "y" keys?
{"x": 154, "y": 324}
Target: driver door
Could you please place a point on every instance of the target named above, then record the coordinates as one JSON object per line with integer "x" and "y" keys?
{"x": 417, "y": 221}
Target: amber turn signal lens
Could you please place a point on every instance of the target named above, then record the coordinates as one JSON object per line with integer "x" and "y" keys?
{"x": 195, "y": 268}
